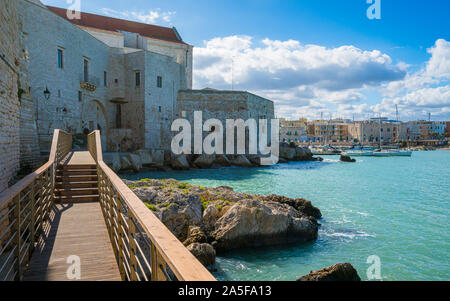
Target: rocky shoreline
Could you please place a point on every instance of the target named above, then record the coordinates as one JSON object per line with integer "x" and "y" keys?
{"x": 210, "y": 220}
{"x": 160, "y": 160}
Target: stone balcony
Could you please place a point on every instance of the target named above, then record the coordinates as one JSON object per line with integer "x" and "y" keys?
{"x": 89, "y": 83}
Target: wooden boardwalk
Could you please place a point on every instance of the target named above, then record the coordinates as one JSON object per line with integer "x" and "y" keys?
{"x": 78, "y": 158}
{"x": 80, "y": 230}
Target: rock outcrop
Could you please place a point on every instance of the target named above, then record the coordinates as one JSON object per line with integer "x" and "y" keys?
{"x": 252, "y": 223}
{"x": 302, "y": 205}
{"x": 205, "y": 253}
{"x": 180, "y": 163}
{"x": 222, "y": 160}
{"x": 347, "y": 159}
{"x": 338, "y": 272}
{"x": 227, "y": 219}
{"x": 204, "y": 161}
{"x": 241, "y": 161}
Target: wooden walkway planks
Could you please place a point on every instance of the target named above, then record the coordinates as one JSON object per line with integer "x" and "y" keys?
{"x": 76, "y": 229}
{"x": 79, "y": 158}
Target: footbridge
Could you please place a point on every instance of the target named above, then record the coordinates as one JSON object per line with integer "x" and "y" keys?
{"x": 75, "y": 219}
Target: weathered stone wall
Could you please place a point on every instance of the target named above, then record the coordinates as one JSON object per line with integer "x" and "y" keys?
{"x": 45, "y": 34}
{"x": 160, "y": 103}
{"x": 9, "y": 100}
{"x": 181, "y": 53}
{"x": 223, "y": 105}
{"x": 29, "y": 143}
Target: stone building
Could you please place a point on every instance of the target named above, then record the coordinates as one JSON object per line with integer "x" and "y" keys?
{"x": 18, "y": 139}
{"x": 293, "y": 130}
{"x": 118, "y": 76}
{"x": 371, "y": 131}
{"x": 223, "y": 105}
{"x": 326, "y": 131}
{"x": 9, "y": 100}
{"x": 82, "y": 72}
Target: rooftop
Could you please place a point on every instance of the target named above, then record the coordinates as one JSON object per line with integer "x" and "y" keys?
{"x": 116, "y": 25}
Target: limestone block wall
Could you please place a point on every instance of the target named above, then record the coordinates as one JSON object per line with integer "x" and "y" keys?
{"x": 45, "y": 34}
{"x": 223, "y": 105}
{"x": 9, "y": 101}
{"x": 160, "y": 101}
{"x": 112, "y": 39}
{"x": 181, "y": 53}
{"x": 29, "y": 142}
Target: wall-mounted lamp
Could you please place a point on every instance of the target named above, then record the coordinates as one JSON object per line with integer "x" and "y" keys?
{"x": 47, "y": 93}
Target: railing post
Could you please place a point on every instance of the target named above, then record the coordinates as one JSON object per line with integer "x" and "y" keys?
{"x": 154, "y": 254}
{"x": 41, "y": 204}
{"x": 17, "y": 239}
{"x": 132, "y": 247}
{"x": 33, "y": 216}
{"x": 120, "y": 238}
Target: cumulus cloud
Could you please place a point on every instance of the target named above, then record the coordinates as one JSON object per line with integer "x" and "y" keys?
{"x": 307, "y": 80}
{"x": 289, "y": 64}
{"x": 150, "y": 17}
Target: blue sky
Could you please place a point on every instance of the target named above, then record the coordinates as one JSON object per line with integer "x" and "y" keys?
{"x": 345, "y": 64}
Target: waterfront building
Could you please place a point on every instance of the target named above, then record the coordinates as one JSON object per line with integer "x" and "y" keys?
{"x": 327, "y": 131}
{"x": 293, "y": 130}
{"x": 375, "y": 130}
{"x": 223, "y": 105}
{"x": 117, "y": 76}
{"x": 96, "y": 73}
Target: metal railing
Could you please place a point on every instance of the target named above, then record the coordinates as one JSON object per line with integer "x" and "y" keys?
{"x": 145, "y": 249}
{"x": 25, "y": 209}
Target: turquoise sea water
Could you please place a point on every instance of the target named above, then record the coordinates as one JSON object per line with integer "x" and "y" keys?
{"x": 395, "y": 208}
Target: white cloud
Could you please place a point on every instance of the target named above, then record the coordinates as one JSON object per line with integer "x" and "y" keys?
{"x": 150, "y": 17}
{"x": 306, "y": 80}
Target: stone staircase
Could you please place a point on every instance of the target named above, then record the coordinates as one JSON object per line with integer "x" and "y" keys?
{"x": 76, "y": 184}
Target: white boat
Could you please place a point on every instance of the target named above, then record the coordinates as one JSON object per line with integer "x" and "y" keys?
{"x": 358, "y": 153}
{"x": 392, "y": 153}
{"x": 399, "y": 153}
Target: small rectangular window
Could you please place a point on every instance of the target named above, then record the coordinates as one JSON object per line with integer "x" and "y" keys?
{"x": 160, "y": 109}
{"x": 159, "y": 81}
{"x": 105, "y": 79}
{"x": 60, "y": 59}
{"x": 138, "y": 79}
{"x": 86, "y": 70}
{"x": 80, "y": 96}
{"x": 184, "y": 114}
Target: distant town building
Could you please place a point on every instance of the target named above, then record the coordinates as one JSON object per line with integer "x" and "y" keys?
{"x": 327, "y": 131}
{"x": 375, "y": 130}
{"x": 293, "y": 130}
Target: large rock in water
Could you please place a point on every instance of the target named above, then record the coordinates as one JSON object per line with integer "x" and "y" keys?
{"x": 158, "y": 157}
{"x": 241, "y": 161}
{"x": 205, "y": 253}
{"x": 347, "y": 159}
{"x": 302, "y": 205}
{"x": 251, "y": 223}
{"x": 222, "y": 160}
{"x": 180, "y": 163}
{"x": 145, "y": 156}
{"x": 113, "y": 161}
{"x": 125, "y": 163}
{"x": 135, "y": 162}
{"x": 179, "y": 216}
{"x": 287, "y": 152}
{"x": 303, "y": 154}
{"x": 338, "y": 272}
{"x": 205, "y": 161}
